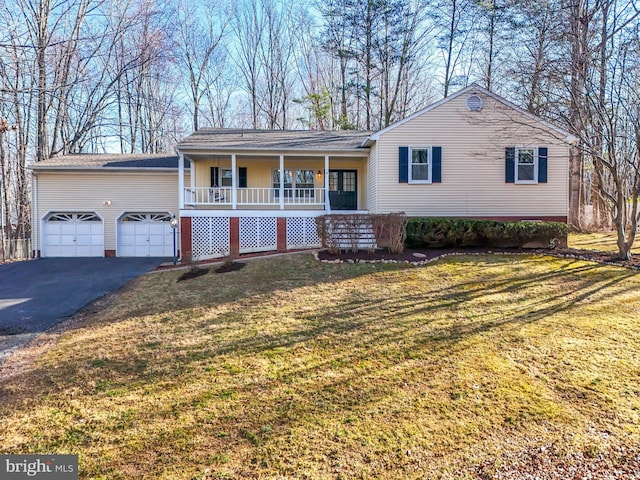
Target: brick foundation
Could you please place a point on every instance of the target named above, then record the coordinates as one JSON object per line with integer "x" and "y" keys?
{"x": 234, "y": 236}
{"x": 281, "y": 235}
{"x": 185, "y": 236}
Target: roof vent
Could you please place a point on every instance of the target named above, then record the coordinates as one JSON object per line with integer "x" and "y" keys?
{"x": 474, "y": 103}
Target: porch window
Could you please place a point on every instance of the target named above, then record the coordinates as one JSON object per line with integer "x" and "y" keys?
{"x": 288, "y": 183}
{"x": 225, "y": 177}
{"x": 221, "y": 177}
{"x": 299, "y": 181}
{"x": 304, "y": 183}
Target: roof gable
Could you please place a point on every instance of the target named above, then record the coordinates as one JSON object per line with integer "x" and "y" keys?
{"x": 470, "y": 89}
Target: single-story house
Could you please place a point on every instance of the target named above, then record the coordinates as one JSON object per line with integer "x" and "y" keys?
{"x": 235, "y": 191}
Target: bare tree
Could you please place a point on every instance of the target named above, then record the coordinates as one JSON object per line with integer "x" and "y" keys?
{"x": 248, "y": 29}
{"x": 200, "y": 28}
{"x": 277, "y": 55}
{"x": 402, "y": 37}
{"x": 317, "y": 76}
{"x": 337, "y": 39}
{"x": 609, "y": 128}
{"x": 456, "y": 32}
{"x": 146, "y": 102}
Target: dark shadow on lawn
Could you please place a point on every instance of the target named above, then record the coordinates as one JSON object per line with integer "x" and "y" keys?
{"x": 379, "y": 321}
{"x": 402, "y": 326}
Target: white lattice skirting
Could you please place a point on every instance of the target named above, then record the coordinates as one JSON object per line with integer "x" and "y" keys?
{"x": 210, "y": 237}
{"x": 258, "y": 234}
{"x": 302, "y": 233}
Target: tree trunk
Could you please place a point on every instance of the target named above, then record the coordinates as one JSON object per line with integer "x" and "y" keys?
{"x": 41, "y": 49}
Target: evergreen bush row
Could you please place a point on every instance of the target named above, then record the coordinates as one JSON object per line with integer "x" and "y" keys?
{"x": 457, "y": 232}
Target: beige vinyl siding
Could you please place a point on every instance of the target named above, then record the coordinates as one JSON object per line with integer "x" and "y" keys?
{"x": 128, "y": 192}
{"x": 473, "y": 164}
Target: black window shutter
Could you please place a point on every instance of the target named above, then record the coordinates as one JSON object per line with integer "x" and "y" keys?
{"x": 242, "y": 177}
{"x": 215, "y": 176}
{"x": 403, "y": 165}
{"x": 510, "y": 164}
{"x": 542, "y": 164}
{"x": 436, "y": 168}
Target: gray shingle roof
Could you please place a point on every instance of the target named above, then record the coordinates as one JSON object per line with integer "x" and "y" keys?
{"x": 106, "y": 161}
{"x": 239, "y": 139}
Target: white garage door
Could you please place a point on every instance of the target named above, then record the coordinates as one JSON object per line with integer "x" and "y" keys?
{"x": 73, "y": 234}
{"x": 145, "y": 235}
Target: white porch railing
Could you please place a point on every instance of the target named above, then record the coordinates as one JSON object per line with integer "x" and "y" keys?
{"x": 253, "y": 196}
{"x": 208, "y": 196}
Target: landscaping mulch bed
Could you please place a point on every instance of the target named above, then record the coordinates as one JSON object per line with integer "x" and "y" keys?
{"x": 194, "y": 273}
{"x": 229, "y": 267}
{"x": 427, "y": 255}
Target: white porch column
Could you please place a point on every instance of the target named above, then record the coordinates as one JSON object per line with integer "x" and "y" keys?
{"x": 180, "y": 180}
{"x": 234, "y": 183}
{"x": 327, "y": 204}
{"x": 281, "y": 182}
{"x": 192, "y": 177}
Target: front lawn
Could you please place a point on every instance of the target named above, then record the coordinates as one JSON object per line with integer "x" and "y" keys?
{"x": 469, "y": 367}
{"x": 604, "y": 242}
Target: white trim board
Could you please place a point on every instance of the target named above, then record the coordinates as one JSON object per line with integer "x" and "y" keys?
{"x": 265, "y": 213}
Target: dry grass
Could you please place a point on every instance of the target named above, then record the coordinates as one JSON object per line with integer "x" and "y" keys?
{"x": 605, "y": 242}
{"x": 294, "y": 369}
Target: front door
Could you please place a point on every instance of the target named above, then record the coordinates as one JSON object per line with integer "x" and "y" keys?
{"x": 343, "y": 189}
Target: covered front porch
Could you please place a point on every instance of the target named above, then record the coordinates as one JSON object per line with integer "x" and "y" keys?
{"x": 259, "y": 181}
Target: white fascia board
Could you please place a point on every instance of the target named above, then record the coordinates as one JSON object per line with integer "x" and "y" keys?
{"x": 261, "y": 213}
{"x": 363, "y": 151}
{"x": 37, "y": 168}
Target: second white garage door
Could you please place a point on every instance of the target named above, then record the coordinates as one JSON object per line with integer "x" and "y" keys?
{"x": 145, "y": 235}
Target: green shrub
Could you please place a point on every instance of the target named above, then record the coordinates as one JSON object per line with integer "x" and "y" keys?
{"x": 445, "y": 232}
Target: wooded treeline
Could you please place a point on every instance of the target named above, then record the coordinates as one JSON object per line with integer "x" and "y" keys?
{"x": 138, "y": 75}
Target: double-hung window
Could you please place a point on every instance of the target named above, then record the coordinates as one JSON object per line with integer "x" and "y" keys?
{"x": 225, "y": 177}
{"x": 420, "y": 165}
{"x": 221, "y": 177}
{"x": 304, "y": 183}
{"x": 288, "y": 183}
{"x": 526, "y": 165}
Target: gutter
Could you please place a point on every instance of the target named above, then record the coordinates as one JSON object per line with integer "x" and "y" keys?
{"x": 266, "y": 151}
{"x": 100, "y": 169}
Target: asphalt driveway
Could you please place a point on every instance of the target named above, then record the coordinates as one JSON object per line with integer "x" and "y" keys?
{"x": 37, "y": 294}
